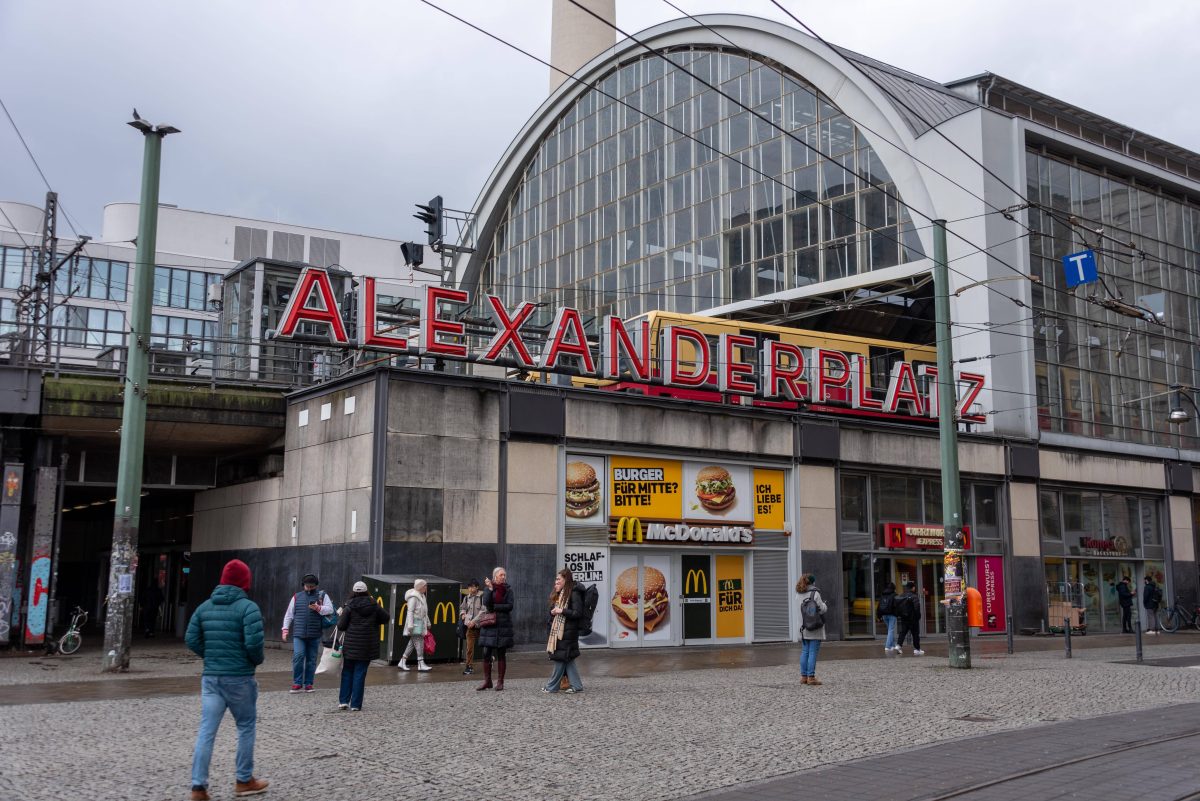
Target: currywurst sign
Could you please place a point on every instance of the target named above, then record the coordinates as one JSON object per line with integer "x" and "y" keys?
{"x": 685, "y": 357}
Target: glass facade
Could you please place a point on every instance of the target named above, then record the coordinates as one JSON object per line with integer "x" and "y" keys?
{"x": 1100, "y": 373}
{"x": 869, "y": 501}
{"x": 619, "y": 212}
{"x": 177, "y": 288}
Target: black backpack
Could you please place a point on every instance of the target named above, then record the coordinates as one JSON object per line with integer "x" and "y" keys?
{"x": 591, "y": 598}
{"x": 811, "y": 615}
{"x": 887, "y": 605}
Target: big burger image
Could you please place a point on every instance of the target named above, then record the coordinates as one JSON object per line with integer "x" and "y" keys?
{"x": 583, "y": 490}
{"x": 654, "y": 600}
{"x": 714, "y": 488}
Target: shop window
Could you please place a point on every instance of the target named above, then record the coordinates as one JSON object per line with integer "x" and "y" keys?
{"x": 897, "y": 498}
{"x": 985, "y": 508}
{"x": 1051, "y": 524}
{"x": 933, "y": 502}
{"x": 854, "y": 504}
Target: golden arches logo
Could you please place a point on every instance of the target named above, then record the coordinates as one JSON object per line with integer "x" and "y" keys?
{"x": 629, "y": 529}
{"x": 382, "y": 627}
{"x": 445, "y": 611}
{"x": 400, "y": 615}
{"x": 694, "y": 580}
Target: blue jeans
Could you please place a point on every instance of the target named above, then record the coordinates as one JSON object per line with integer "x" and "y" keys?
{"x": 354, "y": 678}
{"x": 238, "y": 694}
{"x": 305, "y": 653}
{"x": 808, "y": 656}
{"x": 569, "y": 670}
{"x": 891, "y": 637}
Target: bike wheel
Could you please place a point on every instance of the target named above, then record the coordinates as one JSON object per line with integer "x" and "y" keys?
{"x": 1169, "y": 620}
{"x": 70, "y": 643}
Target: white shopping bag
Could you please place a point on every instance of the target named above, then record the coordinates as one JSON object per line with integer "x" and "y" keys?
{"x": 331, "y": 658}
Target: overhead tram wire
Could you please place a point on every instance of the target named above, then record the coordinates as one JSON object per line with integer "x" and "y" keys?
{"x": 793, "y": 137}
{"x": 37, "y": 166}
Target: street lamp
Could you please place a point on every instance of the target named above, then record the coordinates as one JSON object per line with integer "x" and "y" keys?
{"x": 1179, "y": 415}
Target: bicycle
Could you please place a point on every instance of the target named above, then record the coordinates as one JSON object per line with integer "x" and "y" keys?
{"x": 1170, "y": 617}
{"x": 70, "y": 642}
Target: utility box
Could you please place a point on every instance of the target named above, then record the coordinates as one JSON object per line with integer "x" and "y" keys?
{"x": 442, "y": 596}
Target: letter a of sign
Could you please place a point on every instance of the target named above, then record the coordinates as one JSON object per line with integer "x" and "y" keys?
{"x": 299, "y": 309}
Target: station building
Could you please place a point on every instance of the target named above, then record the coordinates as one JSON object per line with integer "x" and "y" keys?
{"x": 750, "y": 176}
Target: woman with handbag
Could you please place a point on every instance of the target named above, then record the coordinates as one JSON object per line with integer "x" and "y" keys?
{"x": 359, "y": 624}
{"x": 566, "y": 608}
{"x": 416, "y": 624}
{"x": 495, "y": 627}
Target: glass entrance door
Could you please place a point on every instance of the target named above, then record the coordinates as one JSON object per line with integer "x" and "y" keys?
{"x": 696, "y": 570}
{"x": 929, "y": 587}
{"x": 859, "y": 607}
{"x": 640, "y": 608}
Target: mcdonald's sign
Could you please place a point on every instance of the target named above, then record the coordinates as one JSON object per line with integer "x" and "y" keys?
{"x": 696, "y": 581}
{"x": 445, "y": 612}
{"x": 401, "y": 613}
{"x": 629, "y": 529}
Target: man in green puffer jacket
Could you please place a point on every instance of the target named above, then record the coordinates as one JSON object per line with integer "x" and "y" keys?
{"x": 227, "y": 630}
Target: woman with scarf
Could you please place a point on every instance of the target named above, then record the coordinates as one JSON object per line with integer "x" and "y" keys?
{"x": 496, "y": 636}
{"x": 566, "y": 608}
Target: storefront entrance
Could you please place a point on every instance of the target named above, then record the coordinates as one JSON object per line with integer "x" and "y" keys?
{"x": 1094, "y": 581}
{"x": 686, "y": 598}
{"x": 864, "y": 577}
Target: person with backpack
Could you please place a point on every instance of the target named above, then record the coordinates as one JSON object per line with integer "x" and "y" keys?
{"x": 308, "y": 612}
{"x": 812, "y": 627}
{"x": 908, "y": 614}
{"x": 887, "y": 613}
{"x": 360, "y": 619}
{"x": 1151, "y": 599}
{"x": 566, "y": 612}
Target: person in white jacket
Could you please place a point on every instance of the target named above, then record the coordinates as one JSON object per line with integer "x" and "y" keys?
{"x": 416, "y": 623}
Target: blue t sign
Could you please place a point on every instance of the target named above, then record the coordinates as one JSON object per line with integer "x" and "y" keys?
{"x": 1080, "y": 268}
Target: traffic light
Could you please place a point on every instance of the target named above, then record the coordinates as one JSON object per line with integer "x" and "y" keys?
{"x": 414, "y": 254}
{"x": 434, "y": 221}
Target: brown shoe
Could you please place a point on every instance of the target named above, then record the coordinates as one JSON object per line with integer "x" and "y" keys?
{"x": 804, "y": 679}
{"x": 813, "y": 680}
{"x": 252, "y": 787}
{"x": 200, "y": 795}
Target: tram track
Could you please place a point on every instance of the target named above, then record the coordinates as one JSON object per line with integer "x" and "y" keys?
{"x": 967, "y": 791}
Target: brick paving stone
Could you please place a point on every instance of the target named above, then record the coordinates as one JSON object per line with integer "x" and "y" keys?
{"x": 663, "y": 736}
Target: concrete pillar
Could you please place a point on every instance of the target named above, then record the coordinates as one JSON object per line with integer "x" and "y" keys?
{"x": 576, "y": 36}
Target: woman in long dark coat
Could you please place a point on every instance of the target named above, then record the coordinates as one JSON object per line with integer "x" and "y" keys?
{"x": 360, "y": 619}
{"x": 498, "y": 638}
{"x": 566, "y": 610}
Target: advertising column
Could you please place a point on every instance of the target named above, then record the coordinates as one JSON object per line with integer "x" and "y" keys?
{"x": 10, "y": 518}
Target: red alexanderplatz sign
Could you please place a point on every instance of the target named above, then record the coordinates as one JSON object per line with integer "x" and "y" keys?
{"x": 684, "y": 357}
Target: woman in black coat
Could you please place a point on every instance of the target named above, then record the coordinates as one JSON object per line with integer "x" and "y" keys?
{"x": 566, "y": 610}
{"x": 498, "y": 638}
{"x": 360, "y": 620}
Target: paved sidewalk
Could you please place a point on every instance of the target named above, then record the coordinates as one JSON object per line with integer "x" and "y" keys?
{"x": 648, "y": 734}
{"x": 1146, "y": 754}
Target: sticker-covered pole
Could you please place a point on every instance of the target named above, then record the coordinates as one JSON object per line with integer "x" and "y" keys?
{"x": 953, "y": 568}
{"x": 118, "y": 625}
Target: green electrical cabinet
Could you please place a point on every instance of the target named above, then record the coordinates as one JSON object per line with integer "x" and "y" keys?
{"x": 442, "y": 596}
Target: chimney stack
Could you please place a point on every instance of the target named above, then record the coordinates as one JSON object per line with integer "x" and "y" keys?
{"x": 576, "y": 37}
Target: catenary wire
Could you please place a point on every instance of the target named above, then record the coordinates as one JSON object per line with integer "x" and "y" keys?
{"x": 37, "y": 166}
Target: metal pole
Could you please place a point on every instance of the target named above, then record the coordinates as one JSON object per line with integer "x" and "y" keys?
{"x": 952, "y": 565}
{"x": 123, "y": 564}
{"x": 1010, "y": 634}
{"x": 1137, "y": 632}
{"x": 1067, "y": 635}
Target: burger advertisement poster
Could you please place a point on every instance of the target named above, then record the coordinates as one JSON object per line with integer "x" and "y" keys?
{"x": 718, "y": 492}
{"x": 646, "y": 588}
{"x": 583, "y": 491}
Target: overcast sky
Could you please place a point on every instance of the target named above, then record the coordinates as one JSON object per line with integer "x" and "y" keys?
{"x": 343, "y": 114}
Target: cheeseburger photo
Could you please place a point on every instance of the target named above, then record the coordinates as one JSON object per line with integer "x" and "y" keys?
{"x": 654, "y": 599}
{"x": 714, "y": 488}
{"x": 583, "y": 490}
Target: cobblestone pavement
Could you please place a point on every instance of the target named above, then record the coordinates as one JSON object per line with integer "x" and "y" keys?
{"x": 643, "y": 737}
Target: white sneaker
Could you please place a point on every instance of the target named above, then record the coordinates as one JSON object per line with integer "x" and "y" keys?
{"x": 918, "y": 653}
{"x": 403, "y": 664}
{"x": 343, "y": 707}
{"x": 421, "y": 666}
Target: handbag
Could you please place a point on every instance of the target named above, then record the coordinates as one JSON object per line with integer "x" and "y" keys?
{"x": 328, "y": 620}
{"x": 430, "y": 643}
{"x": 331, "y": 657}
{"x": 486, "y": 620}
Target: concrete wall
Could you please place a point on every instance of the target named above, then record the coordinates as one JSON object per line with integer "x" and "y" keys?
{"x": 1079, "y": 468}
{"x": 325, "y": 487}
{"x": 917, "y": 451}
{"x": 1185, "y": 580}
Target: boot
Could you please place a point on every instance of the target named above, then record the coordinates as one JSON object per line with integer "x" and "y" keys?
{"x": 804, "y": 679}
{"x": 252, "y": 787}
{"x": 501, "y": 664}
{"x": 487, "y": 676}
{"x": 403, "y": 663}
{"x": 813, "y": 680}
{"x": 422, "y": 666}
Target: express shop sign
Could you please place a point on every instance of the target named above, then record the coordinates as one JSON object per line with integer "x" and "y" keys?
{"x": 744, "y": 366}
{"x": 914, "y": 537}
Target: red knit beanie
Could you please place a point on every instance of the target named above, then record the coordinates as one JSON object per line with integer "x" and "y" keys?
{"x": 237, "y": 574}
